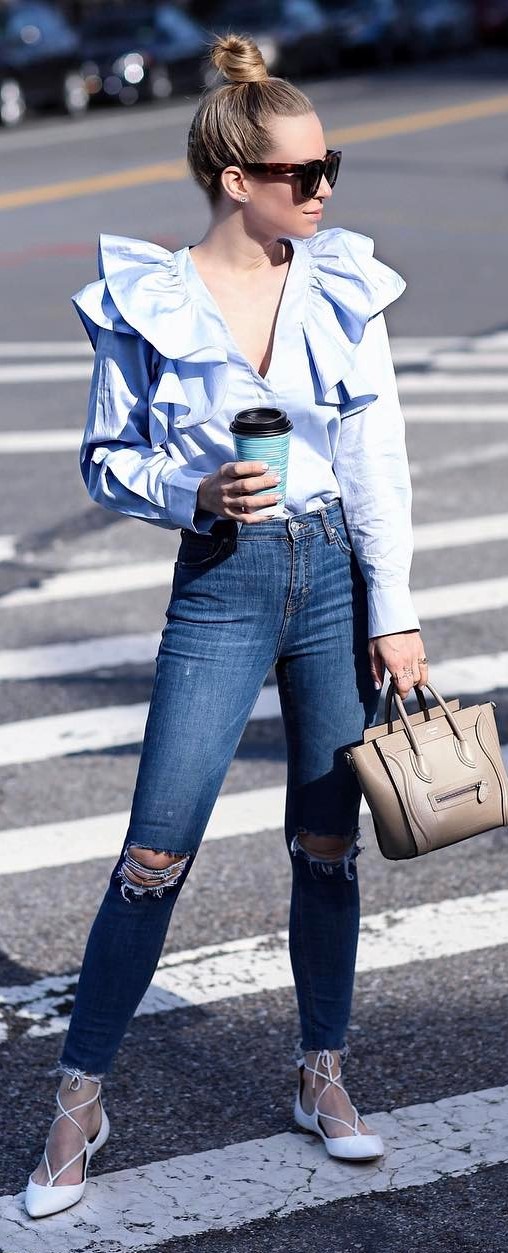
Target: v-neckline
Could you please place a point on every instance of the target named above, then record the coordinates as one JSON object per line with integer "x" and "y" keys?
{"x": 262, "y": 378}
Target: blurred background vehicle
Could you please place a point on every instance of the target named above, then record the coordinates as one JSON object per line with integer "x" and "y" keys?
{"x": 65, "y": 53}
{"x": 141, "y": 53}
{"x": 434, "y": 27}
{"x": 368, "y": 30}
{"x": 40, "y": 62}
{"x": 292, "y": 34}
{"x": 492, "y": 19}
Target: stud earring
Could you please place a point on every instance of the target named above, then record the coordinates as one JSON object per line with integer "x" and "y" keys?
{"x": 243, "y": 199}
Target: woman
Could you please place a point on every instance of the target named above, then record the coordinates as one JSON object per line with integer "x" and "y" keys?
{"x": 266, "y": 310}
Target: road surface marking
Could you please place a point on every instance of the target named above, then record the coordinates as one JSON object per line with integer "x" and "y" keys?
{"x": 69, "y": 189}
{"x": 28, "y": 349}
{"x": 252, "y": 1180}
{"x": 92, "y": 730}
{"x": 460, "y": 598}
{"x": 7, "y": 547}
{"x": 472, "y": 360}
{"x": 473, "y": 455}
{"x": 112, "y": 651}
{"x": 36, "y": 441}
{"x": 433, "y": 602}
{"x": 75, "y": 584}
{"x": 455, "y": 532}
{"x": 42, "y": 372}
{"x": 25, "y": 849}
{"x": 257, "y": 964}
{"x": 176, "y": 170}
{"x": 455, "y": 348}
{"x": 87, "y": 839}
{"x": 480, "y": 412}
{"x": 49, "y": 660}
{"x": 433, "y": 381}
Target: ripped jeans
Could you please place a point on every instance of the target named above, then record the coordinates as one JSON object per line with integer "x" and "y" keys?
{"x": 284, "y": 592}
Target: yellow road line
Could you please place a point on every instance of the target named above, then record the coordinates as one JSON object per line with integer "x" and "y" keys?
{"x": 429, "y": 120}
{"x": 163, "y": 172}
{"x": 176, "y": 171}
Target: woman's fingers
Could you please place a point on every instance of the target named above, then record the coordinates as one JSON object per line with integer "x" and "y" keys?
{"x": 402, "y": 660}
{"x": 424, "y": 672}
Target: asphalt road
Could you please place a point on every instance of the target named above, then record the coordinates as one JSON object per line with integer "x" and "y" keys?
{"x": 431, "y": 190}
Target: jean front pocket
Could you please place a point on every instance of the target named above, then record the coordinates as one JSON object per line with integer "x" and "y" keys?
{"x": 341, "y": 537}
{"x": 198, "y": 550}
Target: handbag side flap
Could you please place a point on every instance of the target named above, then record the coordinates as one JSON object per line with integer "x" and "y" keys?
{"x": 411, "y": 796}
{"x": 386, "y": 728}
{"x": 488, "y": 739}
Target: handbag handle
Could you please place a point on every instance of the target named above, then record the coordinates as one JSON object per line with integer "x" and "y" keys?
{"x": 465, "y": 751}
{"x": 389, "y": 697}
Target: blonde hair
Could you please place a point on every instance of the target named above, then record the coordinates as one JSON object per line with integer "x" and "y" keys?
{"x": 232, "y": 122}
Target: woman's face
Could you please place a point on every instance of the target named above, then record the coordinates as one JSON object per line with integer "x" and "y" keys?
{"x": 275, "y": 205}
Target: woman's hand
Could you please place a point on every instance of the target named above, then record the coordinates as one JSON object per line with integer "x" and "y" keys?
{"x": 231, "y": 487}
{"x": 402, "y": 655}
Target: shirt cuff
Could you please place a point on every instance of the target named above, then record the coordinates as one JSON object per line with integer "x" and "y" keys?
{"x": 182, "y": 492}
{"x": 391, "y": 610}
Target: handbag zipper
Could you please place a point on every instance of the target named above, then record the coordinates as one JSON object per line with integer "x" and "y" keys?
{"x": 460, "y": 791}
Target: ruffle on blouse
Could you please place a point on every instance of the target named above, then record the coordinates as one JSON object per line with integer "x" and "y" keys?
{"x": 140, "y": 291}
{"x": 348, "y": 286}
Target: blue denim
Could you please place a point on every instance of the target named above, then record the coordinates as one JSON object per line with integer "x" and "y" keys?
{"x": 286, "y": 592}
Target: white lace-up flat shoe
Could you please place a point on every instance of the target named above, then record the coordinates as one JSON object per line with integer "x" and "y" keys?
{"x": 42, "y": 1199}
{"x": 357, "y": 1147}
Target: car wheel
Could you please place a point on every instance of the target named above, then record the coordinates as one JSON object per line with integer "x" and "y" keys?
{"x": 160, "y": 86}
{"x": 12, "y": 103}
{"x": 75, "y": 98}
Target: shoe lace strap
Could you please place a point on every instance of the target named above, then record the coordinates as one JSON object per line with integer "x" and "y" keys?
{"x": 325, "y": 1058}
{"x": 67, "y": 1113}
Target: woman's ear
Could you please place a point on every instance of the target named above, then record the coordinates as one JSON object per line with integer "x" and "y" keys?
{"x": 233, "y": 182}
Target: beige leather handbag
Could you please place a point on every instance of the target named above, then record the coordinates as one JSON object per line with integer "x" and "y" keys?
{"x": 433, "y": 777}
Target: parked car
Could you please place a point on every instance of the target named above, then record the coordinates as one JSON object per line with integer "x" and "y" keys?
{"x": 40, "y": 64}
{"x": 368, "y": 30}
{"x": 292, "y": 34}
{"x": 141, "y": 53}
{"x": 431, "y": 27}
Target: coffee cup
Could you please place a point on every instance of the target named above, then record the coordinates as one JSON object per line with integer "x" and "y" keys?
{"x": 262, "y": 434}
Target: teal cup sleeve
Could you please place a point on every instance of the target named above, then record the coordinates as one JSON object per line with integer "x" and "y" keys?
{"x": 274, "y": 449}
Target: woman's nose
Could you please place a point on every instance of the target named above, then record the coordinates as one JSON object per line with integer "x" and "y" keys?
{"x": 324, "y": 190}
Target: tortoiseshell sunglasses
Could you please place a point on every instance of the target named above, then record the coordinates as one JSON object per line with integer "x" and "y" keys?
{"x": 310, "y": 173}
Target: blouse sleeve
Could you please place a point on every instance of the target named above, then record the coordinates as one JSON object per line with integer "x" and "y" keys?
{"x": 371, "y": 466}
{"x": 121, "y": 469}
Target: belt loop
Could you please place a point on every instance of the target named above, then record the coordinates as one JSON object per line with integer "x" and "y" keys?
{"x": 329, "y": 529}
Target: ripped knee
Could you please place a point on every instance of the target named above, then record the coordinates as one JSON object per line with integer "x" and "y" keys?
{"x": 327, "y": 853}
{"x": 145, "y": 870}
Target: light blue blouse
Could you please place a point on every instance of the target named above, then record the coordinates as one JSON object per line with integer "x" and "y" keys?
{"x": 168, "y": 379}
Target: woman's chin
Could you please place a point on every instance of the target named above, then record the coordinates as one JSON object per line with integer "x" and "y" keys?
{"x": 308, "y": 226}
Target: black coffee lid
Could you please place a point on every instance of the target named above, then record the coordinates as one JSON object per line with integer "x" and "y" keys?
{"x": 261, "y": 421}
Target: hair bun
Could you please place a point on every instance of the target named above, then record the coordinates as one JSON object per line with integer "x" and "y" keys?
{"x": 238, "y": 58}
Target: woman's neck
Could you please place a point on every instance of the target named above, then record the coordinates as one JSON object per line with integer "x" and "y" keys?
{"x": 226, "y": 244}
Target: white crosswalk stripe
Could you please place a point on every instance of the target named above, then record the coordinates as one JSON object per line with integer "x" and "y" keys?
{"x": 83, "y": 839}
{"x": 226, "y": 1188}
{"x": 458, "y": 380}
{"x": 260, "y": 963}
{"x": 478, "y": 413}
{"x": 91, "y": 730}
{"x": 109, "y": 580}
